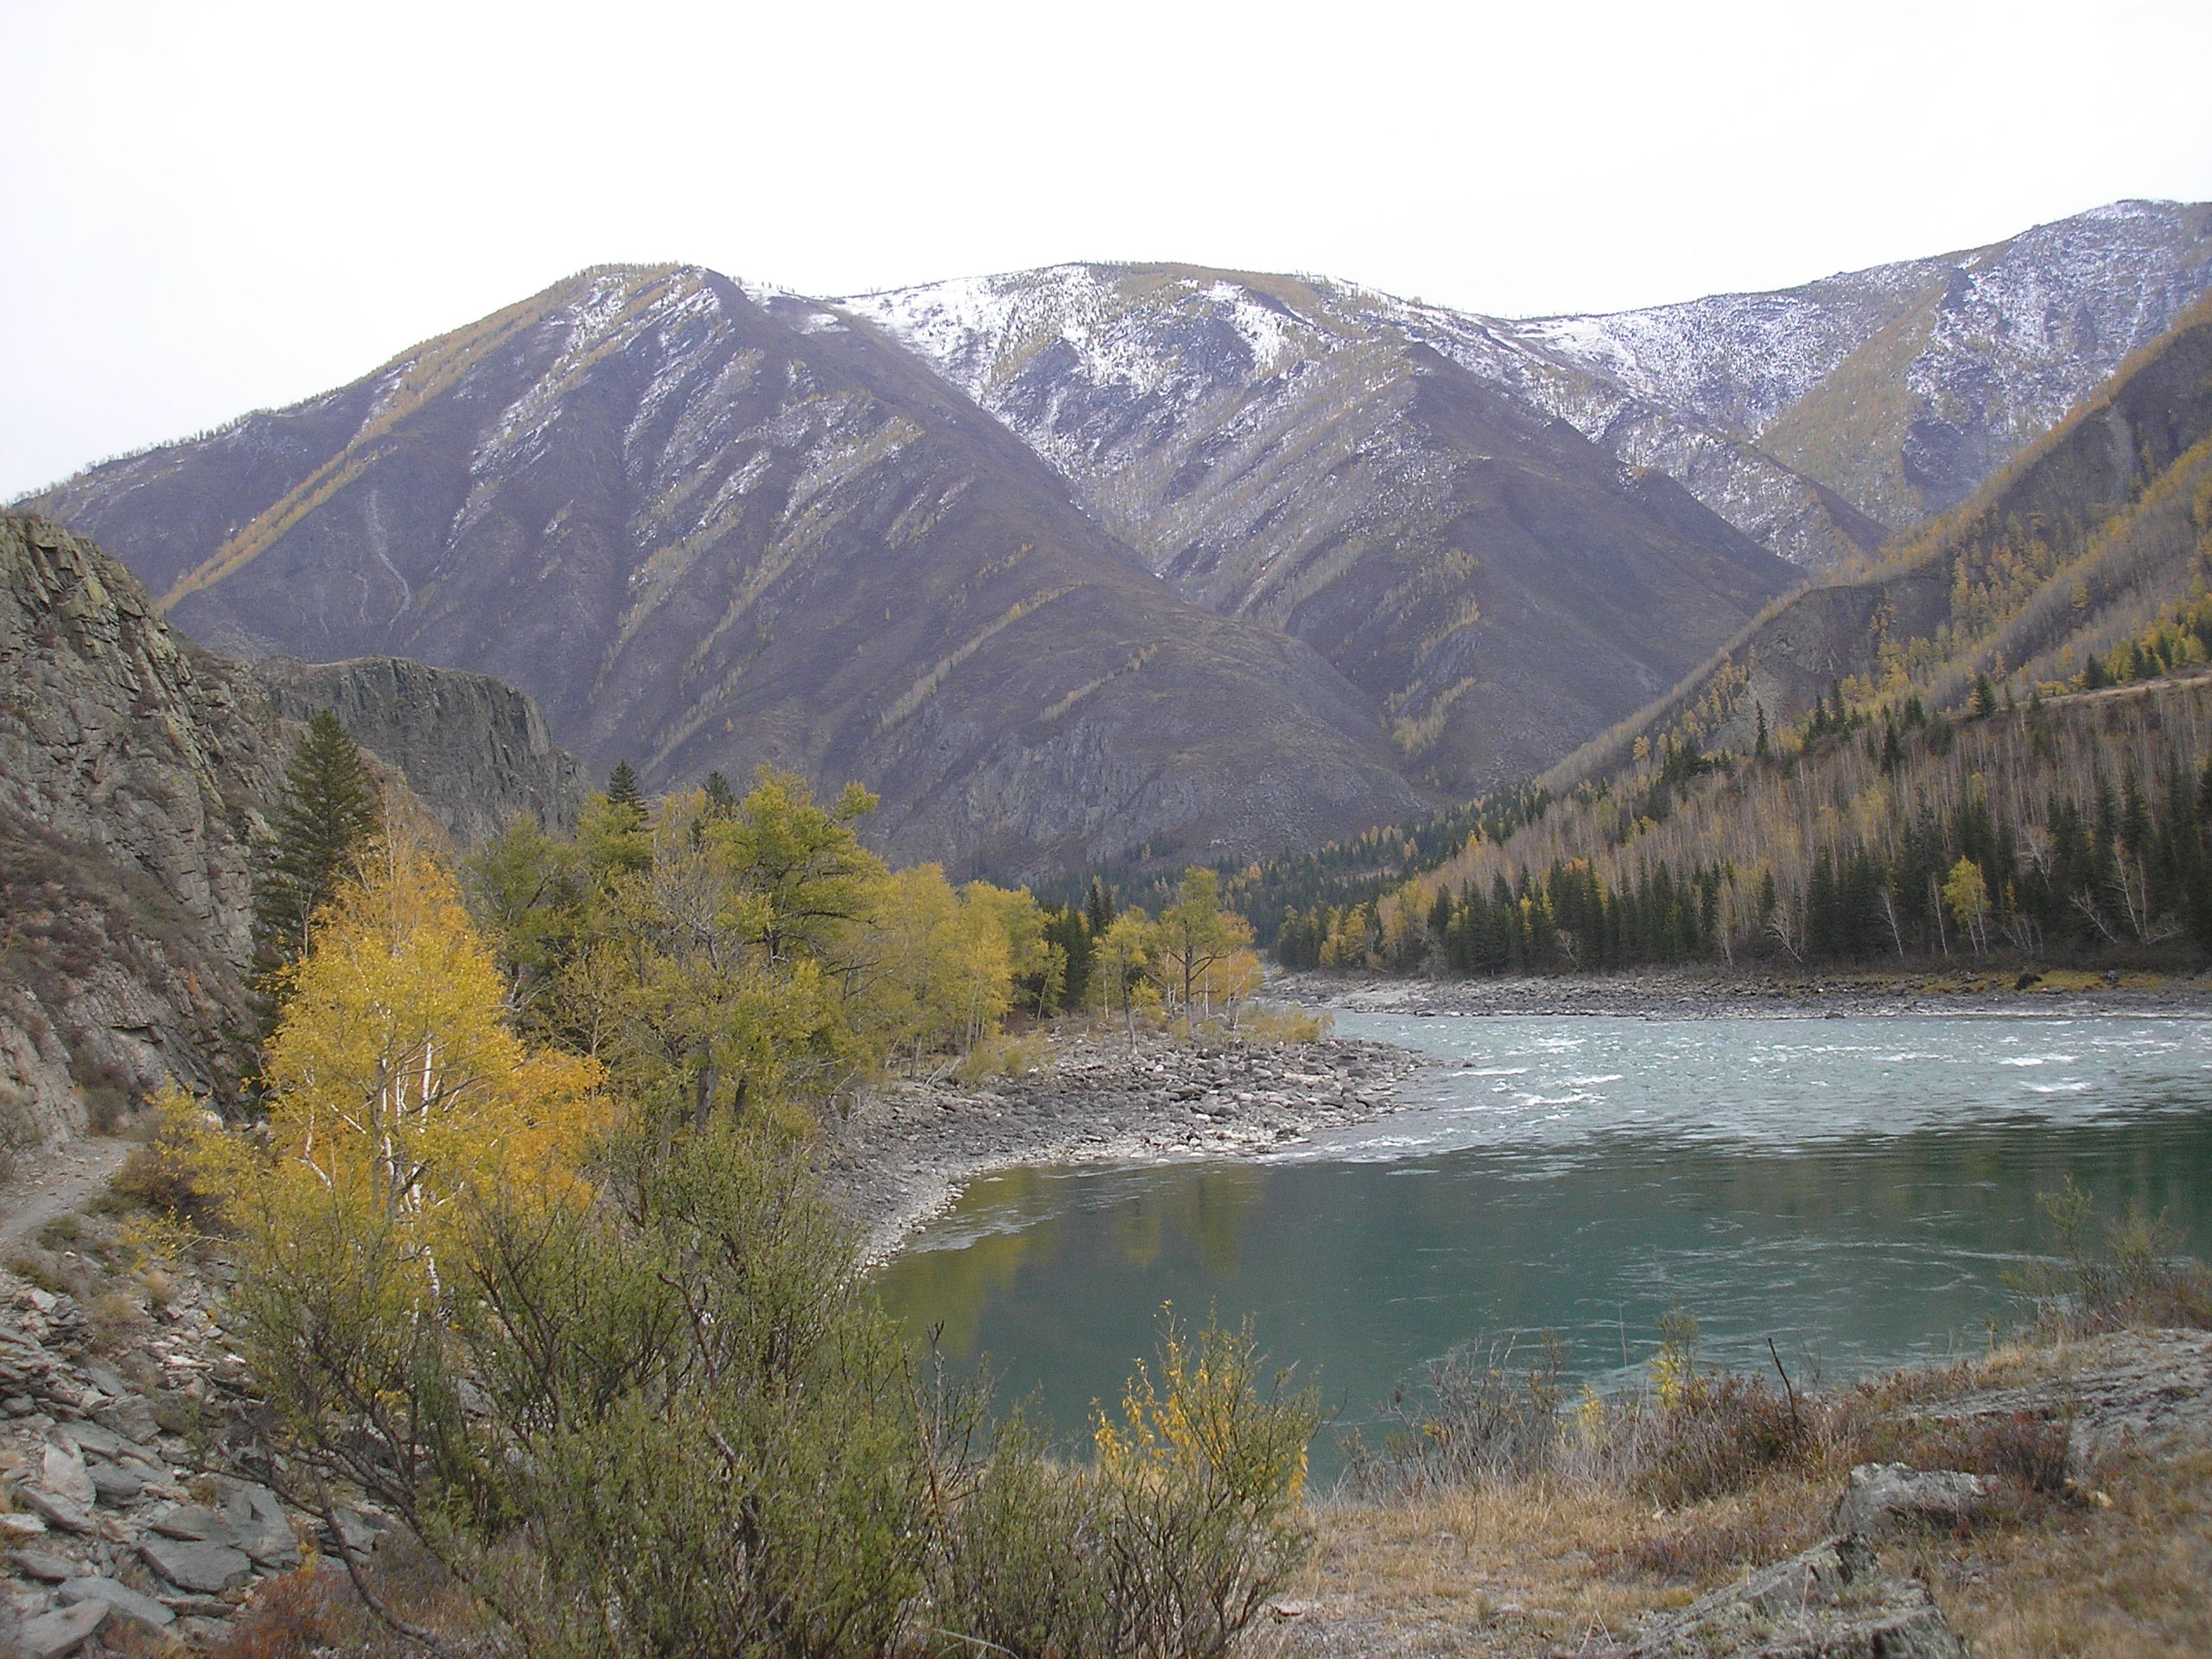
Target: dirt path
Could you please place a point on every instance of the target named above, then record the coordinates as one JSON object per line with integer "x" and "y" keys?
{"x": 62, "y": 1183}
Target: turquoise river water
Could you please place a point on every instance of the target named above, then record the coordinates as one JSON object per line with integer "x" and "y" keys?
{"x": 1854, "y": 1189}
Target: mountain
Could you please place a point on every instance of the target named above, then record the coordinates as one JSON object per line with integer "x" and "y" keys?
{"x": 2020, "y": 688}
{"x": 1275, "y": 450}
{"x": 709, "y": 530}
{"x": 2078, "y": 545}
{"x": 1818, "y": 420}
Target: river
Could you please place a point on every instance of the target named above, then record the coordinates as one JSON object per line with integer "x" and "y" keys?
{"x": 1856, "y": 1190}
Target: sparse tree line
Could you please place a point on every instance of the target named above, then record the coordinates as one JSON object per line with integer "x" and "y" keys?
{"x": 533, "y": 1258}
{"x": 2072, "y": 829}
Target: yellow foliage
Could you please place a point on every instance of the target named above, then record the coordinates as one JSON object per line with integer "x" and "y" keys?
{"x": 394, "y": 1085}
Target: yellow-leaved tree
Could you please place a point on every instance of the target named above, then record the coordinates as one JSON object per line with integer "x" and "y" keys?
{"x": 394, "y": 1085}
{"x": 400, "y": 1107}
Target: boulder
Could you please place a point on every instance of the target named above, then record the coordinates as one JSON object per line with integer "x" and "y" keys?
{"x": 128, "y": 1604}
{"x": 1884, "y": 1497}
{"x": 62, "y": 1472}
{"x": 114, "y": 1485}
{"x": 208, "y": 1568}
{"x": 37, "y": 1564}
{"x": 260, "y": 1527}
{"x": 56, "y": 1510}
{"x": 1833, "y": 1601}
{"x": 193, "y": 1523}
{"x": 62, "y": 1632}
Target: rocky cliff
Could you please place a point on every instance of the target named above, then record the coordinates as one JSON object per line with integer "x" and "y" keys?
{"x": 135, "y": 769}
{"x": 475, "y": 751}
{"x": 136, "y": 773}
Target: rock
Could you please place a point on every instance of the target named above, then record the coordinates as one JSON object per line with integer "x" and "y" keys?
{"x": 62, "y": 1472}
{"x": 194, "y": 1524}
{"x": 128, "y": 1603}
{"x": 115, "y": 1486}
{"x": 209, "y": 1568}
{"x": 37, "y": 1564}
{"x": 57, "y": 1510}
{"x": 107, "y": 1381}
{"x": 1833, "y": 1601}
{"x": 22, "y": 1526}
{"x": 52, "y": 1635}
{"x": 1885, "y": 1497}
{"x": 130, "y": 1416}
{"x": 261, "y": 1527}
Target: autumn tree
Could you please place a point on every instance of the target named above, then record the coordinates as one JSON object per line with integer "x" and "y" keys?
{"x": 1197, "y": 936}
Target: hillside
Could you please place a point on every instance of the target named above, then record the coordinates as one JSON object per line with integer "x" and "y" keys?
{"x": 1282, "y": 450}
{"x": 1818, "y": 420}
{"x": 1883, "y": 764}
{"x": 707, "y": 532}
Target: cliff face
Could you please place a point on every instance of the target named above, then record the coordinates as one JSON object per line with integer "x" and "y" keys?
{"x": 135, "y": 769}
{"x": 473, "y": 750}
{"x": 136, "y": 775}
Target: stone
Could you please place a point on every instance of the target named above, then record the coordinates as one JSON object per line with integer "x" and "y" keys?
{"x": 1831, "y": 1600}
{"x": 1883, "y": 1497}
{"x": 128, "y": 1603}
{"x": 262, "y": 1528}
{"x": 22, "y": 1526}
{"x": 37, "y": 1564}
{"x": 193, "y": 1523}
{"x": 130, "y": 1416}
{"x": 56, "y": 1510}
{"x": 209, "y": 1568}
{"x": 105, "y": 1380}
{"x": 62, "y": 1472}
{"x": 50, "y": 1636}
{"x": 114, "y": 1485}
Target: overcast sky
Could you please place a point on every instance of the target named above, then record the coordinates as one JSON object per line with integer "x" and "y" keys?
{"x": 211, "y": 207}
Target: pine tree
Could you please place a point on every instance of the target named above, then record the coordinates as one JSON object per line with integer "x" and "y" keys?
{"x": 1759, "y": 749}
{"x": 721, "y": 798}
{"x": 330, "y": 814}
{"x": 622, "y": 788}
{"x": 1098, "y": 908}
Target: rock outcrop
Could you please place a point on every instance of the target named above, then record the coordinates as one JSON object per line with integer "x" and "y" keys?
{"x": 137, "y": 773}
{"x": 474, "y": 750}
{"x": 1833, "y": 1601}
{"x": 134, "y": 771}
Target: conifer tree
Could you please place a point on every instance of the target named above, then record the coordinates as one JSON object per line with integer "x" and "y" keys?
{"x": 1098, "y": 908}
{"x": 622, "y": 788}
{"x": 330, "y": 813}
{"x": 720, "y": 797}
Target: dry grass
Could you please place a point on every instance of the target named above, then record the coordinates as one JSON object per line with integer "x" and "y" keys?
{"x": 1549, "y": 1563}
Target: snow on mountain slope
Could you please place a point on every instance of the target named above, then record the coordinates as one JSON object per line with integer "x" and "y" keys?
{"x": 1815, "y": 419}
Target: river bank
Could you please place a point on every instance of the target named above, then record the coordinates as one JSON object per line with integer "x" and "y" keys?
{"x": 1713, "y": 993}
{"x": 904, "y": 1154}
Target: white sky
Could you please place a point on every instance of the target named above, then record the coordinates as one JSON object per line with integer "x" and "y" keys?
{"x": 214, "y": 206}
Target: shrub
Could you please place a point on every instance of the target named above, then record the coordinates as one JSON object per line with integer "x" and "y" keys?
{"x": 1482, "y": 1421}
{"x": 2125, "y": 1273}
{"x": 1167, "y": 1548}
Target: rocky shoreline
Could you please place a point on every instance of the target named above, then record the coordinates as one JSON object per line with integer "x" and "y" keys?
{"x": 1717, "y": 995}
{"x": 906, "y": 1153}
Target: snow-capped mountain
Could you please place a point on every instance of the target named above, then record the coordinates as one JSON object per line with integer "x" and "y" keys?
{"x": 1816, "y": 419}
